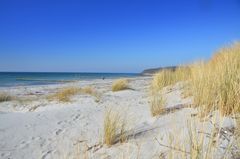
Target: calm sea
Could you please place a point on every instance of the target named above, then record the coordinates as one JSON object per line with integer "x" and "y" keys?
{"x": 8, "y": 79}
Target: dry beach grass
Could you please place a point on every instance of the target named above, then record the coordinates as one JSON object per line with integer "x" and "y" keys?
{"x": 157, "y": 104}
{"x": 214, "y": 85}
{"x": 114, "y": 127}
{"x": 119, "y": 85}
{"x": 65, "y": 94}
{"x": 5, "y": 97}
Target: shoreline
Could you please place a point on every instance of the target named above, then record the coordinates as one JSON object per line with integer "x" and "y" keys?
{"x": 57, "y": 82}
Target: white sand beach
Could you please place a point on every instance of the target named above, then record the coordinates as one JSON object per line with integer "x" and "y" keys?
{"x": 119, "y": 79}
{"x": 34, "y": 127}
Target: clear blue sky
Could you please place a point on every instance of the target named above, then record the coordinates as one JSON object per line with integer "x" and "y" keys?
{"x": 113, "y": 35}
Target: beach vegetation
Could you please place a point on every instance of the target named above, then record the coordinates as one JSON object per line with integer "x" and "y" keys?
{"x": 162, "y": 79}
{"x": 65, "y": 94}
{"x": 114, "y": 128}
{"x": 169, "y": 77}
{"x": 5, "y": 97}
{"x": 157, "y": 104}
{"x": 214, "y": 84}
{"x": 91, "y": 91}
{"x": 88, "y": 90}
{"x": 120, "y": 84}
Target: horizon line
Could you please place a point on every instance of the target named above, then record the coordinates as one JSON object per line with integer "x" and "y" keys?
{"x": 68, "y": 72}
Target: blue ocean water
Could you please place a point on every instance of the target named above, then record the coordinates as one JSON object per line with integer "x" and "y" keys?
{"x": 8, "y": 79}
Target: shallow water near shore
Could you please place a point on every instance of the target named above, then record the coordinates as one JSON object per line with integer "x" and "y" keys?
{"x": 8, "y": 79}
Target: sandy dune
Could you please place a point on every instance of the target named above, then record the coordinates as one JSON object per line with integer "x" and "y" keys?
{"x": 37, "y": 128}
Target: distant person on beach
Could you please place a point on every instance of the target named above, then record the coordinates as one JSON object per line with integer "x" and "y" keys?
{"x": 103, "y": 78}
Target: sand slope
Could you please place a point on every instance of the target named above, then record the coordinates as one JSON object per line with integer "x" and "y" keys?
{"x": 38, "y": 128}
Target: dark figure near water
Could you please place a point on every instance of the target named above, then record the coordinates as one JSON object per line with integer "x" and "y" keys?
{"x": 103, "y": 78}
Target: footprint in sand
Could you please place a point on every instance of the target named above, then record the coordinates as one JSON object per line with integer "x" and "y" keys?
{"x": 30, "y": 126}
{"x": 60, "y": 122}
{"x": 23, "y": 144}
{"x": 58, "y": 131}
{"x": 47, "y": 155}
{"x": 36, "y": 138}
{"x": 76, "y": 117}
{"x": 5, "y": 155}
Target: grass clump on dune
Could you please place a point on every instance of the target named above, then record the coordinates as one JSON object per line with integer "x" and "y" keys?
{"x": 168, "y": 77}
{"x": 91, "y": 91}
{"x": 5, "y": 97}
{"x": 216, "y": 84}
{"x": 65, "y": 94}
{"x": 119, "y": 85}
{"x": 88, "y": 90}
{"x": 114, "y": 128}
{"x": 157, "y": 104}
{"x": 162, "y": 79}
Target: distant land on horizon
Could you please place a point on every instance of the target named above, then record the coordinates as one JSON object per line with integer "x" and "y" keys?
{"x": 155, "y": 70}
